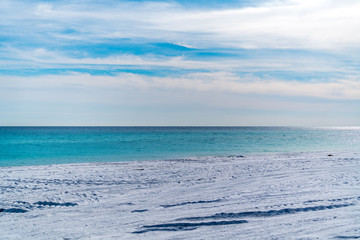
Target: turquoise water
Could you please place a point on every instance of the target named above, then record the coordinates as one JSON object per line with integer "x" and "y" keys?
{"x": 53, "y": 145}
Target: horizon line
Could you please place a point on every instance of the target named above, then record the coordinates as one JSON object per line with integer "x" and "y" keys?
{"x": 183, "y": 126}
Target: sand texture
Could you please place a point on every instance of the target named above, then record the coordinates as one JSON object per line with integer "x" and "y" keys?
{"x": 274, "y": 196}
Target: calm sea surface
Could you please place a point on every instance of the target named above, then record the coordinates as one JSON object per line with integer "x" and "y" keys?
{"x": 52, "y": 145}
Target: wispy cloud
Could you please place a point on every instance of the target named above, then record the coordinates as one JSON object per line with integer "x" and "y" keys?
{"x": 324, "y": 24}
{"x": 343, "y": 89}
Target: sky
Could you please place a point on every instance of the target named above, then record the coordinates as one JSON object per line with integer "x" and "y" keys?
{"x": 179, "y": 63}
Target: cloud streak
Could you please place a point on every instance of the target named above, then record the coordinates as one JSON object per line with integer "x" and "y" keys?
{"x": 346, "y": 89}
{"x": 324, "y": 24}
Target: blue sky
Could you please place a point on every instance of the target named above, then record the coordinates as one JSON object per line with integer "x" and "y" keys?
{"x": 283, "y": 62}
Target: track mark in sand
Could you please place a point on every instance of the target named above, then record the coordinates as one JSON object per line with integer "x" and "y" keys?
{"x": 139, "y": 211}
{"x": 55, "y": 204}
{"x": 184, "y": 226}
{"x": 270, "y": 213}
{"x": 28, "y": 206}
{"x": 348, "y": 237}
{"x": 187, "y": 203}
{"x": 12, "y": 210}
{"x": 187, "y": 226}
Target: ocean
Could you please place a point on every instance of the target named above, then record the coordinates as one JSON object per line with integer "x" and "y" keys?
{"x": 21, "y": 146}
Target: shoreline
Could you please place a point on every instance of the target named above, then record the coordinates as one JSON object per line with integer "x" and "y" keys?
{"x": 284, "y": 196}
{"x": 251, "y": 155}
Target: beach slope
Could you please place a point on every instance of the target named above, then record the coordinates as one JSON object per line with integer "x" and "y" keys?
{"x": 273, "y": 196}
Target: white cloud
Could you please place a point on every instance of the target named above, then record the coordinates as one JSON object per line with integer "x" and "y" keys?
{"x": 227, "y": 82}
{"x": 267, "y": 62}
{"x": 341, "y": 89}
{"x": 325, "y": 24}
{"x": 296, "y": 25}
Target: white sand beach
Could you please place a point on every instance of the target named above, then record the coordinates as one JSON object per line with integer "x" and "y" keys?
{"x": 274, "y": 196}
